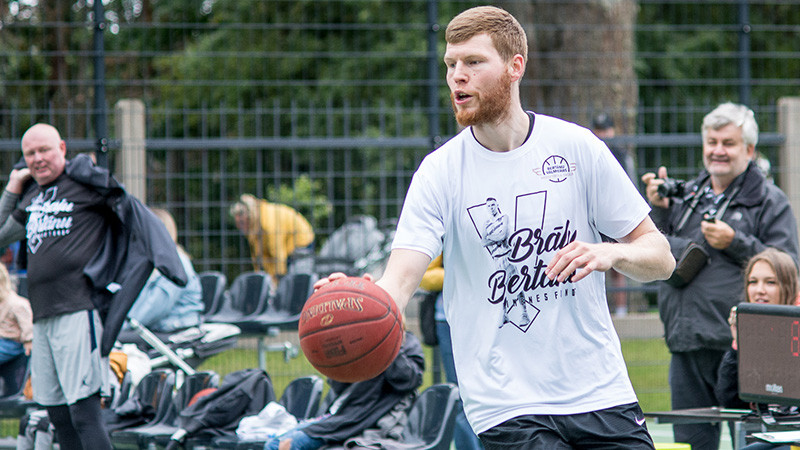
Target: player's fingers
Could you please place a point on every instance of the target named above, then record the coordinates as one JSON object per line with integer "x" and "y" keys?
{"x": 555, "y": 265}
{"x": 564, "y": 262}
{"x": 334, "y": 276}
{"x": 581, "y": 274}
{"x": 580, "y": 265}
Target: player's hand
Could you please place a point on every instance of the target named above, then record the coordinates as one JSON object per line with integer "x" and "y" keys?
{"x": 27, "y": 346}
{"x": 337, "y": 276}
{"x": 17, "y": 179}
{"x": 718, "y": 233}
{"x": 652, "y": 181}
{"x": 580, "y": 255}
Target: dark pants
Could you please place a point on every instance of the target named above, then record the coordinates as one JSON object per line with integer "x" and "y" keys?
{"x": 617, "y": 428}
{"x": 692, "y": 376}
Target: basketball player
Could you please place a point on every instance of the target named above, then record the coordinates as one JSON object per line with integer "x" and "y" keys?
{"x": 561, "y": 382}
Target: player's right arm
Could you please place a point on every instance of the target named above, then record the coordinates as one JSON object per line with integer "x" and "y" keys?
{"x": 400, "y": 280}
{"x": 403, "y": 273}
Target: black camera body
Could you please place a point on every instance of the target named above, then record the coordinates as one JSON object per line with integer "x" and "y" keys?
{"x": 672, "y": 188}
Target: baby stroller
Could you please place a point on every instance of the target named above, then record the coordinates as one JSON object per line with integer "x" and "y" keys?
{"x": 185, "y": 349}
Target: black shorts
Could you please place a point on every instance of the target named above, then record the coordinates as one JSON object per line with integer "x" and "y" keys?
{"x": 620, "y": 427}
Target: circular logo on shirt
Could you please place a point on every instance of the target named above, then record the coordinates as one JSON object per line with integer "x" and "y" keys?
{"x": 556, "y": 168}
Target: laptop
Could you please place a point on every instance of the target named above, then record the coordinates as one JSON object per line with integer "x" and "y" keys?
{"x": 769, "y": 353}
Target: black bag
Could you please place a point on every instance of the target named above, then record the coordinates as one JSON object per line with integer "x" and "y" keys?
{"x": 693, "y": 258}
{"x": 427, "y": 318}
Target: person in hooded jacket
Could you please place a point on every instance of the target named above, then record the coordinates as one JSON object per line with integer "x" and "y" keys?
{"x": 358, "y": 406}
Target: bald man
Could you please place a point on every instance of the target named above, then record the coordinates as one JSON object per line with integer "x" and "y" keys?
{"x": 64, "y": 224}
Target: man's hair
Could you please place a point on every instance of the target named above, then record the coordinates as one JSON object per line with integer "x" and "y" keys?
{"x": 247, "y": 206}
{"x": 602, "y": 121}
{"x": 785, "y": 271}
{"x": 732, "y": 113}
{"x": 507, "y": 34}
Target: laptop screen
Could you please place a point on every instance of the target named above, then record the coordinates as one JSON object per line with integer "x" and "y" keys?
{"x": 769, "y": 353}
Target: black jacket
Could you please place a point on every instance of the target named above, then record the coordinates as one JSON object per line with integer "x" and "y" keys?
{"x": 370, "y": 400}
{"x": 242, "y": 393}
{"x": 727, "y": 388}
{"x": 136, "y": 241}
{"x": 696, "y": 316}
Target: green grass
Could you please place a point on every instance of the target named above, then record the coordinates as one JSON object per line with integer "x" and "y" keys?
{"x": 648, "y": 366}
{"x": 281, "y": 371}
{"x": 647, "y": 360}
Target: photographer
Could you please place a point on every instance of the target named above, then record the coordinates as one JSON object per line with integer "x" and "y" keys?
{"x": 714, "y": 224}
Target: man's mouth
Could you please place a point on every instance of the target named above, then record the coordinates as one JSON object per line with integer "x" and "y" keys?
{"x": 461, "y": 97}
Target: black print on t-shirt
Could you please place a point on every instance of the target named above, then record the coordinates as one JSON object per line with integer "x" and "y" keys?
{"x": 519, "y": 281}
{"x": 44, "y": 220}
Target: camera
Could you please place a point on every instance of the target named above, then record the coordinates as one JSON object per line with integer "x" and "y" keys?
{"x": 672, "y": 188}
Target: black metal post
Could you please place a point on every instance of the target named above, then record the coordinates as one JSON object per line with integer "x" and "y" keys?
{"x": 100, "y": 127}
{"x": 433, "y": 122}
{"x": 744, "y": 52}
{"x": 433, "y": 74}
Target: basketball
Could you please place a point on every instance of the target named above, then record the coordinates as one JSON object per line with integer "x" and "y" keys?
{"x": 350, "y": 330}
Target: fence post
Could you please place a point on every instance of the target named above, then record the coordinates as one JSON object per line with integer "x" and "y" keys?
{"x": 131, "y": 162}
{"x": 788, "y": 118}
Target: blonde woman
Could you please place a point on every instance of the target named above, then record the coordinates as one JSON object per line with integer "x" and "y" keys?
{"x": 770, "y": 276}
{"x": 274, "y": 231}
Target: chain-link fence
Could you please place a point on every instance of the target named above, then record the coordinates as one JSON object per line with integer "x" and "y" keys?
{"x": 345, "y": 97}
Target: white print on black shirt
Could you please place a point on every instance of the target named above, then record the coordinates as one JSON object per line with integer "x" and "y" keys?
{"x": 43, "y": 220}
{"x": 519, "y": 281}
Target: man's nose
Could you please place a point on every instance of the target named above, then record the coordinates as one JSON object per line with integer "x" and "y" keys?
{"x": 460, "y": 72}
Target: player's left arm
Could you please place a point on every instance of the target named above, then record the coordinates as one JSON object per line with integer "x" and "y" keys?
{"x": 643, "y": 255}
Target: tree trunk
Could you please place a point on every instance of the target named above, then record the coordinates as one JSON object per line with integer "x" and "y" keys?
{"x": 581, "y": 59}
{"x": 57, "y": 37}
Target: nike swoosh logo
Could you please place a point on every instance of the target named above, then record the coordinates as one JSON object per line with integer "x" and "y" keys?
{"x": 640, "y": 422}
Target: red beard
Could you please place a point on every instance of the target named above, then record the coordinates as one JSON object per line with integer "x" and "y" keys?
{"x": 492, "y": 107}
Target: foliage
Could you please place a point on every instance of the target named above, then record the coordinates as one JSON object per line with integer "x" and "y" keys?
{"x": 689, "y": 53}
{"x": 305, "y": 196}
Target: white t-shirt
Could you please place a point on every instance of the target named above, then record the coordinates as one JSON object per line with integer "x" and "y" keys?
{"x": 522, "y": 344}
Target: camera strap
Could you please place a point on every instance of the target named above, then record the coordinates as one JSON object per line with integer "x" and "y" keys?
{"x": 698, "y": 193}
{"x": 696, "y": 200}
{"x": 727, "y": 202}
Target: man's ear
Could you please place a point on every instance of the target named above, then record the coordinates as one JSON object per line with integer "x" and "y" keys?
{"x": 516, "y": 67}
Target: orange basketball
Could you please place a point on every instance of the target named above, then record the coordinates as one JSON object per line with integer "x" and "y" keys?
{"x": 350, "y": 330}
